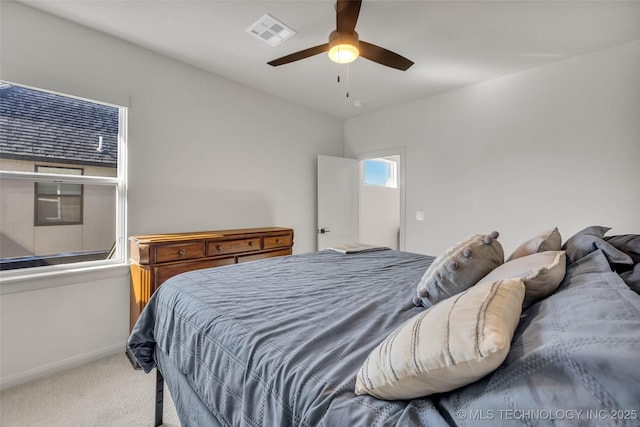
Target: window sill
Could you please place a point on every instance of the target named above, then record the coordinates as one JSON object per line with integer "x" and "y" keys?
{"x": 12, "y": 283}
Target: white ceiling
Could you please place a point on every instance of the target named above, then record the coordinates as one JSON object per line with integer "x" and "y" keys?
{"x": 453, "y": 43}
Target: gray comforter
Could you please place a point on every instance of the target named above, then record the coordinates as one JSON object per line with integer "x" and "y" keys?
{"x": 278, "y": 343}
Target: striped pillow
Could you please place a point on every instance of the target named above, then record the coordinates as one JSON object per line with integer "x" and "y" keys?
{"x": 454, "y": 343}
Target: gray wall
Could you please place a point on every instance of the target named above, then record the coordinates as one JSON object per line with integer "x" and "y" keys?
{"x": 204, "y": 153}
{"x": 554, "y": 146}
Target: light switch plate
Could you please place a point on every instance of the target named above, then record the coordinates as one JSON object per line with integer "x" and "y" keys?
{"x": 419, "y": 215}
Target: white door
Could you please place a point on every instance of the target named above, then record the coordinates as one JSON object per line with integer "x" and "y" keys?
{"x": 337, "y": 201}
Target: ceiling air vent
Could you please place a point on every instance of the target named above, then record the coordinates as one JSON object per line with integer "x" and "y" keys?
{"x": 270, "y": 30}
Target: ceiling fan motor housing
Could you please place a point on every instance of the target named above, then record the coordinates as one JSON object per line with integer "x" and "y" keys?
{"x": 336, "y": 38}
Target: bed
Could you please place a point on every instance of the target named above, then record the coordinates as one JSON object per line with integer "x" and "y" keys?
{"x": 281, "y": 342}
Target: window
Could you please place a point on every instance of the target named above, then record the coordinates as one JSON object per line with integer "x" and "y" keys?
{"x": 380, "y": 173}
{"x": 58, "y": 204}
{"x": 62, "y": 181}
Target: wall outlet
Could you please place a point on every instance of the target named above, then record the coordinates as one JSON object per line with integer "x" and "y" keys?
{"x": 419, "y": 215}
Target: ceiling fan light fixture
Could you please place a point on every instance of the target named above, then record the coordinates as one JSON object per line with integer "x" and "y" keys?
{"x": 343, "y": 48}
{"x": 343, "y": 53}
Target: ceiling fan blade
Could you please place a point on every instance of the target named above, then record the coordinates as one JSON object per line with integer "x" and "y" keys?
{"x": 383, "y": 56}
{"x": 347, "y": 12}
{"x": 296, "y": 56}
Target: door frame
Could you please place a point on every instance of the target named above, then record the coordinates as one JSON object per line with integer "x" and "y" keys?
{"x": 393, "y": 151}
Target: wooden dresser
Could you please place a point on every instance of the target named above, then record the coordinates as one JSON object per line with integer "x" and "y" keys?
{"x": 155, "y": 258}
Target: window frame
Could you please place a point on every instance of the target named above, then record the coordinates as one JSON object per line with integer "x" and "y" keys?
{"x": 119, "y": 183}
{"x": 393, "y": 172}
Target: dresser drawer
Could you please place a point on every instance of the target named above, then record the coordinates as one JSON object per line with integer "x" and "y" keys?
{"x": 165, "y": 272}
{"x": 179, "y": 251}
{"x": 281, "y": 241}
{"x": 223, "y": 247}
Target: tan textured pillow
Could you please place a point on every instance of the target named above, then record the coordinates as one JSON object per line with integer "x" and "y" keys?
{"x": 550, "y": 240}
{"x": 454, "y": 343}
{"x": 458, "y": 268}
{"x": 541, "y": 272}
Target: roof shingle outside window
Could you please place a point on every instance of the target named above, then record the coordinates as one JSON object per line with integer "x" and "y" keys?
{"x": 41, "y": 126}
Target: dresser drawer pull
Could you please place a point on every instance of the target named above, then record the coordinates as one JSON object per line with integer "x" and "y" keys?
{"x": 181, "y": 252}
{"x": 220, "y": 248}
{"x": 277, "y": 240}
{"x": 250, "y": 243}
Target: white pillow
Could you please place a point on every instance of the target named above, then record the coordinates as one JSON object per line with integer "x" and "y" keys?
{"x": 550, "y": 240}
{"x": 542, "y": 273}
{"x": 454, "y": 343}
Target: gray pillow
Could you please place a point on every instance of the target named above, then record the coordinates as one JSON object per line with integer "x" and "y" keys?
{"x": 632, "y": 278}
{"x": 590, "y": 239}
{"x": 459, "y": 268}
{"x": 627, "y": 243}
{"x": 630, "y": 245}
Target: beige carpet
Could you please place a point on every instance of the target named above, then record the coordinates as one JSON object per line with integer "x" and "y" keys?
{"x": 107, "y": 392}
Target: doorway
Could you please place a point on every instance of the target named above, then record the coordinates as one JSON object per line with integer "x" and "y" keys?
{"x": 341, "y": 209}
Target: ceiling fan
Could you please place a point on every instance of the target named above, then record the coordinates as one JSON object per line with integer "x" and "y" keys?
{"x": 344, "y": 45}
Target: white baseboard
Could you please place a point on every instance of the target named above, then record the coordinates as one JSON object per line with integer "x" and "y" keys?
{"x": 51, "y": 368}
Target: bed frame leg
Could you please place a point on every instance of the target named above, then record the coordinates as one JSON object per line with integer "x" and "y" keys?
{"x": 159, "y": 397}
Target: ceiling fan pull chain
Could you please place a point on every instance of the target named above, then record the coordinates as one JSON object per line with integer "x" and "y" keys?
{"x": 347, "y": 80}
